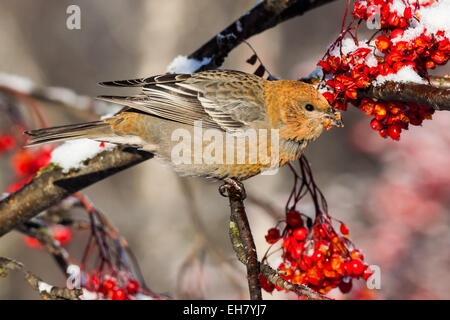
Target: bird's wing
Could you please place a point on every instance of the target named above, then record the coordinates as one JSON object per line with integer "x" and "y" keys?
{"x": 226, "y": 100}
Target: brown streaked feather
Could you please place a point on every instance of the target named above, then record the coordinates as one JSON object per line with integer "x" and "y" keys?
{"x": 209, "y": 96}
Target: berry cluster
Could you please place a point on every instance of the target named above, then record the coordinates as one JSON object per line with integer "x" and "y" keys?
{"x": 113, "y": 288}
{"x": 27, "y": 162}
{"x": 318, "y": 256}
{"x": 401, "y": 45}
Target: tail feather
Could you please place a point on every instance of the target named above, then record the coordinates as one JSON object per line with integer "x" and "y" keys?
{"x": 93, "y": 130}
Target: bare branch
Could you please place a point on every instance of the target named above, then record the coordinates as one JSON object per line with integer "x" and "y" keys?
{"x": 241, "y": 235}
{"x": 46, "y": 291}
{"x": 265, "y": 15}
{"x": 436, "y": 97}
{"x": 301, "y": 290}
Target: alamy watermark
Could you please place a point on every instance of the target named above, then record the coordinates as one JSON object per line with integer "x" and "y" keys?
{"x": 212, "y": 146}
{"x": 73, "y": 21}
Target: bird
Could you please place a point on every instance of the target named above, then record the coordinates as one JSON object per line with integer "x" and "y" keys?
{"x": 222, "y": 124}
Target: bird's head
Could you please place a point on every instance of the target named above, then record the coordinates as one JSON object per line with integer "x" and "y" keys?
{"x": 308, "y": 113}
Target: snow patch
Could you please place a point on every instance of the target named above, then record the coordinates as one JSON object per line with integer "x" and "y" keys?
{"x": 436, "y": 17}
{"x": 16, "y": 82}
{"x": 44, "y": 287}
{"x": 71, "y": 154}
{"x": 88, "y": 295}
{"x": 405, "y": 74}
{"x": 183, "y": 64}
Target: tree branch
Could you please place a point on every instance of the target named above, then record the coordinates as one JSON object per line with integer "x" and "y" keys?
{"x": 46, "y": 291}
{"x": 437, "y": 97}
{"x": 265, "y": 15}
{"x": 241, "y": 235}
{"x": 301, "y": 290}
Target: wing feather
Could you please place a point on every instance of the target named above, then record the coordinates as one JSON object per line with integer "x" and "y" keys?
{"x": 226, "y": 100}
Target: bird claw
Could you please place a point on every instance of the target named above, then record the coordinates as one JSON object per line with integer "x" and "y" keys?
{"x": 235, "y": 186}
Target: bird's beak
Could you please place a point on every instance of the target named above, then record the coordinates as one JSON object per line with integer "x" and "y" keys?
{"x": 333, "y": 119}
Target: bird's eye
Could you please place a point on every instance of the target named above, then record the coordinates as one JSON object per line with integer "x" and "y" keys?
{"x": 309, "y": 107}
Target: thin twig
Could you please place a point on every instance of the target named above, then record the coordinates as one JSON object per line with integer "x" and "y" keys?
{"x": 235, "y": 192}
{"x": 46, "y": 291}
{"x": 301, "y": 290}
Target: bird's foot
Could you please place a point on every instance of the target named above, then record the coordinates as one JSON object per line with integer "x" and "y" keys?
{"x": 232, "y": 186}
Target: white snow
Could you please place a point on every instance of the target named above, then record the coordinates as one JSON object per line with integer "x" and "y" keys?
{"x": 398, "y": 6}
{"x": 68, "y": 96}
{"x": 183, "y": 64}
{"x": 371, "y": 61}
{"x": 405, "y": 74}
{"x": 16, "y": 82}
{"x": 433, "y": 18}
{"x": 436, "y": 17}
{"x": 88, "y": 295}
{"x": 43, "y": 286}
{"x": 72, "y": 154}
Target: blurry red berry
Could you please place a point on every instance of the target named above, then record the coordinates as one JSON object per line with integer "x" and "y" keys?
{"x": 343, "y": 228}
{"x": 357, "y": 267}
{"x": 61, "y": 233}
{"x": 394, "y": 131}
{"x": 119, "y": 294}
{"x": 376, "y": 125}
{"x": 273, "y": 235}
{"x": 266, "y": 285}
{"x": 294, "y": 219}
{"x": 32, "y": 242}
{"x": 345, "y": 287}
{"x": 300, "y": 234}
{"x": 132, "y": 286}
{"x": 7, "y": 142}
{"x": 367, "y": 273}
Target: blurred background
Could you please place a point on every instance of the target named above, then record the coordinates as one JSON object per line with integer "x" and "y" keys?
{"x": 393, "y": 196}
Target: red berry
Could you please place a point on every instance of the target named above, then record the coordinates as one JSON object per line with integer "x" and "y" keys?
{"x": 376, "y": 125}
{"x": 61, "y": 233}
{"x": 345, "y": 287}
{"x": 343, "y": 228}
{"x": 266, "y": 285}
{"x": 7, "y": 142}
{"x": 407, "y": 13}
{"x": 317, "y": 256}
{"x": 119, "y": 294}
{"x": 32, "y": 243}
{"x": 393, "y": 19}
{"x": 273, "y": 235}
{"x": 357, "y": 267}
{"x": 108, "y": 285}
{"x": 396, "y": 33}
{"x": 367, "y": 273}
{"x": 300, "y": 234}
{"x": 294, "y": 219}
{"x": 394, "y": 131}
{"x": 439, "y": 57}
{"x": 305, "y": 262}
